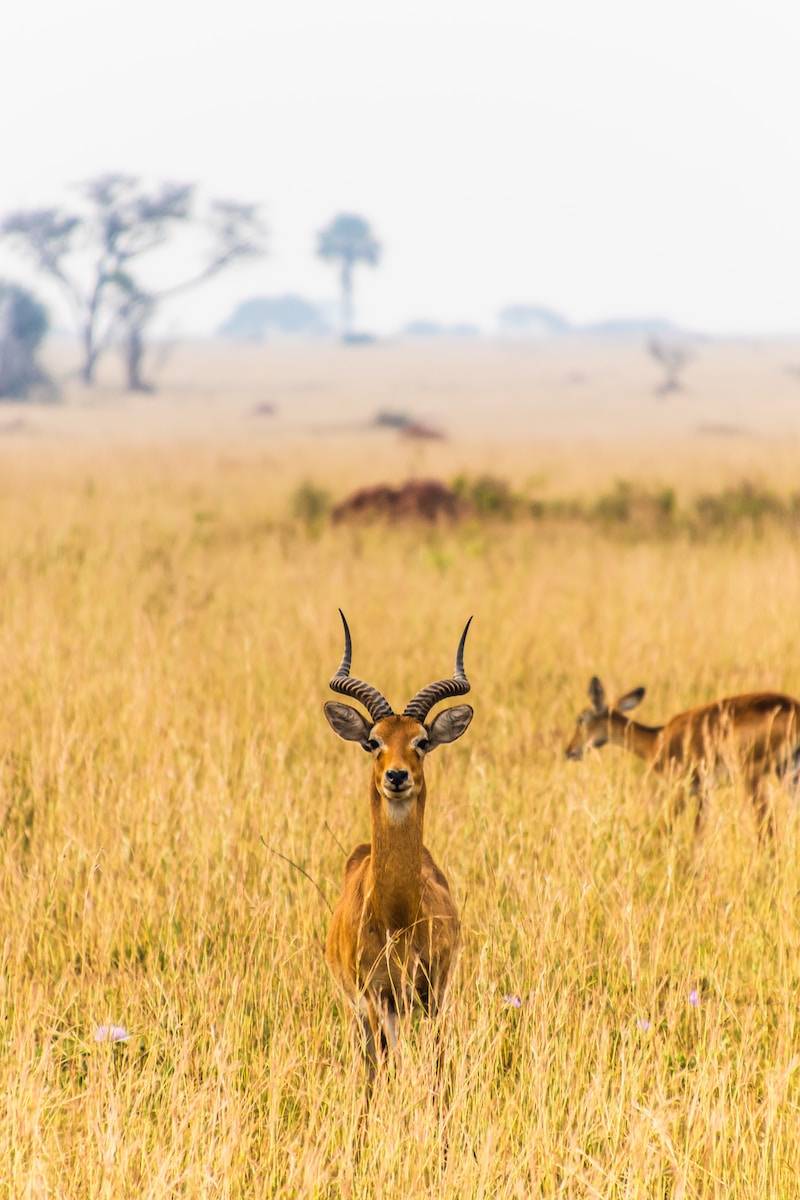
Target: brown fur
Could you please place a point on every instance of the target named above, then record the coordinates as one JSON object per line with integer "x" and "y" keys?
{"x": 394, "y": 932}
{"x": 753, "y": 737}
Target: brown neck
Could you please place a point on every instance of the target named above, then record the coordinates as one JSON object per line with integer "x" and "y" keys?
{"x": 396, "y": 863}
{"x": 641, "y": 740}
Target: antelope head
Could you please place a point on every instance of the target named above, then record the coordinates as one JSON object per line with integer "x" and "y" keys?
{"x": 596, "y": 724}
{"x": 398, "y": 742}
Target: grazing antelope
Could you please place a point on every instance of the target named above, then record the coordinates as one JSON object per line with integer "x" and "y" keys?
{"x": 394, "y": 932}
{"x": 755, "y": 737}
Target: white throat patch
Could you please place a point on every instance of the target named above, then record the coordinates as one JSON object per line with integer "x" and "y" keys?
{"x": 398, "y": 809}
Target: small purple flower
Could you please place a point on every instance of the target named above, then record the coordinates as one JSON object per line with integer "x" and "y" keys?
{"x": 643, "y": 1024}
{"x": 694, "y": 997}
{"x": 512, "y": 1001}
{"x": 111, "y": 1033}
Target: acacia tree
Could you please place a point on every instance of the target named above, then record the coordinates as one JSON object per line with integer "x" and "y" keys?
{"x": 348, "y": 240}
{"x": 235, "y": 234}
{"x": 93, "y": 253}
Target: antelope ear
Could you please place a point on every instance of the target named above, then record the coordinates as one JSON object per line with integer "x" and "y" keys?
{"x": 347, "y": 722}
{"x": 597, "y": 694}
{"x": 449, "y": 725}
{"x": 630, "y": 699}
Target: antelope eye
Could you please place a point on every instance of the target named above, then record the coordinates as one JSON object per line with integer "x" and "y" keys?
{"x": 423, "y": 745}
{"x": 372, "y": 744}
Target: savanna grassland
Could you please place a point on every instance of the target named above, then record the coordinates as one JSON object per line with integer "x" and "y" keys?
{"x": 624, "y": 1019}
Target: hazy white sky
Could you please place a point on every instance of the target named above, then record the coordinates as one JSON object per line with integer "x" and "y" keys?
{"x": 600, "y": 156}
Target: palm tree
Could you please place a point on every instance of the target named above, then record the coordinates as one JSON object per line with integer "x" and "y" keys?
{"x": 348, "y": 240}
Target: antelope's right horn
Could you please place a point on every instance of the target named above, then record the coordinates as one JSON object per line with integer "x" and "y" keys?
{"x": 374, "y": 701}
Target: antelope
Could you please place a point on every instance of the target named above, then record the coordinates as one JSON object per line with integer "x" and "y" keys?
{"x": 395, "y": 930}
{"x": 755, "y": 737}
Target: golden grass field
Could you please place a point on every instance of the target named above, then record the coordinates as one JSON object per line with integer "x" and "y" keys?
{"x": 167, "y": 631}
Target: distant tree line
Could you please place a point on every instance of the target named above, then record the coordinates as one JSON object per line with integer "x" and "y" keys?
{"x": 100, "y": 254}
{"x": 97, "y": 252}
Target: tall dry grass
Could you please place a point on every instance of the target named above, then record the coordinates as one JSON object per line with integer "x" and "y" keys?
{"x": 166, "y": 637}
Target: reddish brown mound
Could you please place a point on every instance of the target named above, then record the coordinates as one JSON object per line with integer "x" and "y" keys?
{"x": 419, "y": 499}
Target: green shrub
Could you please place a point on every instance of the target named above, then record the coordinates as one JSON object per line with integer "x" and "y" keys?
{"x": 310, "y": 504}
{"x": 487, "y": 495}
{"x": 735, "y": 505}
{"x": 633, "y": 505}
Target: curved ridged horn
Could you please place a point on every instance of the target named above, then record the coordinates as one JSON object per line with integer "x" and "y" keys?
{"x": 425, "y": 699}
{"x": 376, "y": 705}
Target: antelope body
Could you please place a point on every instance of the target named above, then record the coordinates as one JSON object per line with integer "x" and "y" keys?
{"x": 754, "y": 737}
{"x": 394, "y": 932}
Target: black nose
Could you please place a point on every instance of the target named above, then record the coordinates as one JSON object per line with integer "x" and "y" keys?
{"x": 397, "y": 778}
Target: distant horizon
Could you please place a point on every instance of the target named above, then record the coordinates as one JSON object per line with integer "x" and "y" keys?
{"x": 591, "y": 331}
{"x": 200, "y": 314}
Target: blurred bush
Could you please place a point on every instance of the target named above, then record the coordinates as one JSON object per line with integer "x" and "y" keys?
{"x": 310, "y": 504}
{"x": 487, "y": 495}
{"x": 23, "y": 325}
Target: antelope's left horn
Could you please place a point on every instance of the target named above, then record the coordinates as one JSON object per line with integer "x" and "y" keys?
{"x": 425, "y": 699}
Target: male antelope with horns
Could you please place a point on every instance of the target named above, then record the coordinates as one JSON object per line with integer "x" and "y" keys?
{"x": 394, "y": 932}
{"x": 755, "y": 737}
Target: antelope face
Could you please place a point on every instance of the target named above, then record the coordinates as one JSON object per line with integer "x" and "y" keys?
{"x": 398, "y": 745}
{"x": 591, "y": 731}
{"x": 595, "y": 724}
